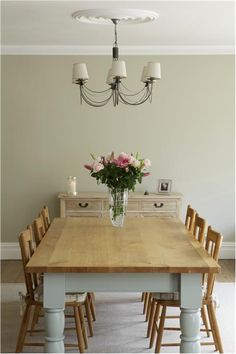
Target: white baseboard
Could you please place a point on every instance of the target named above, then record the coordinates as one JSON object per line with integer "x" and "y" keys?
{"x": 227, "y": 250}
{"x": 10, "y": 250}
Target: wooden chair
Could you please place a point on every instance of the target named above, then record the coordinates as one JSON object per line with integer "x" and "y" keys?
{"x": 46, "y": 218}
{"x": 199, "y": 230}
{"x": 212, "y": 246}
{"x": 34, "y": 297}
{"x": 190, "y": 218}
{"x": 39, "y": 230}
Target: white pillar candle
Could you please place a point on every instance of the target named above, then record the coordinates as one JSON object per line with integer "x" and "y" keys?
{"x": 72, "y": 185}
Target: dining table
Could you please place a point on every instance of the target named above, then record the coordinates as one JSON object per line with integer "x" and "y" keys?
{"x": 151, "y": 254}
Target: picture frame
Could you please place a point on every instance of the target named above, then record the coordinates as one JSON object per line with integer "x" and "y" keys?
{"x": 164, "y": 186}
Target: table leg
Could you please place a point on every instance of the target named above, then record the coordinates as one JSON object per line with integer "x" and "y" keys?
{"x": 54, "y": 300}
{"x": 54, "y": 328}
{"x": 190, "y": 320}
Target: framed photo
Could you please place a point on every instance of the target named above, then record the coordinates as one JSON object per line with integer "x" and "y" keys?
{"x": 164, "y": 185}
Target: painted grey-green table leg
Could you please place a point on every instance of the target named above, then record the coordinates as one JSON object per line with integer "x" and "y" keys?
{"x": 54, "y": 302}
{"x": 190, "y": 320}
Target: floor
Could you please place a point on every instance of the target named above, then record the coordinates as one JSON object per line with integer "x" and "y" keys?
{"x": 11, "y": 271}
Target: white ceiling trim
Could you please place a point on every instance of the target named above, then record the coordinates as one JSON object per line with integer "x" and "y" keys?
{"x": 124, "y": 50}
{"x": 122, "y": 1}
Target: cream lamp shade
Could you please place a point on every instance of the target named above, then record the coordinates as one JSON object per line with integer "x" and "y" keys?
{"x": 118, "y": 69}
{"x": 80, "y": 72}
{"x": 144, "y": 77}
{"x": 154, "y": 71}
{"x": 109, "y": 79}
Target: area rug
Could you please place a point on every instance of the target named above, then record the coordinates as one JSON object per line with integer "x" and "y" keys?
{"x": 120, "y": 326}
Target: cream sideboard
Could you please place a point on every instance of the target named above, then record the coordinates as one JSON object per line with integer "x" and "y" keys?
{"x": 96, "y": 204}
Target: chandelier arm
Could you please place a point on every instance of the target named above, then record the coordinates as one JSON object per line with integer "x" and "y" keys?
{"x": 131, "y": 90}
{"x": 132, "y": 94}
{"x": 93, "y": 91}
{"x": 87, "y": 98}
{"x": 90, "y": 101}
{"x": 133, "y": 102}
{"x": 141, "y": 101}
{"x": 114, "y": 98}
{"x": 97, "y": 96}
{"x": 138, "y": 99}
{"x": 94, "y": 104}
{"x": 89, "y": 95}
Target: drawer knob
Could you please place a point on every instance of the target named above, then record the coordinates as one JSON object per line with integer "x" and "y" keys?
{"x": 158, "y": 206}
{"x": 83, "y": 205}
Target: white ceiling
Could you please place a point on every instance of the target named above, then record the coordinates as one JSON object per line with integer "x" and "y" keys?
{"x": 183, "y": 27}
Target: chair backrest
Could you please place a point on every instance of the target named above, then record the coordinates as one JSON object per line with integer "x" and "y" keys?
{"x": 212, "y": 246}
{"x": 46, "y": 217}
{"x": 199, "y": 229}
{"x": 190, "y": 218}
{"x": 39, "y": 230}
{"x": 27, "y": 250}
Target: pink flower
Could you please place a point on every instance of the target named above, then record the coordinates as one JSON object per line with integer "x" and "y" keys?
{"x": 89, "y": 167}
{"x": 97, "y": 166}
{"x": 123, "y": 160}
{"x": 146, "y": 174}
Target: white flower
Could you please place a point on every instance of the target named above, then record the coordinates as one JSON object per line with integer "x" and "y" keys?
{"x": 97, "y": 166}
{"x": 99, "y": 159}
{"x": 136, "y": 163}
{"x": 147, "y": 163}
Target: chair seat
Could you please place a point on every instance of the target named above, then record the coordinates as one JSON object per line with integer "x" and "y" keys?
{"x": 70, "y": 296}
{"x": 176, "y": 297}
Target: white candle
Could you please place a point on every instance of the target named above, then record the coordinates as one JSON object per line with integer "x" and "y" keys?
{"x": 72, "y": 185}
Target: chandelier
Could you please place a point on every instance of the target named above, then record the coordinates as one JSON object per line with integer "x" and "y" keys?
{"x": 117, "y": 90}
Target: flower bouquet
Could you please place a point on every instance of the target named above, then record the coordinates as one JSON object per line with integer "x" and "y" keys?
{"x": 120, "y": 174}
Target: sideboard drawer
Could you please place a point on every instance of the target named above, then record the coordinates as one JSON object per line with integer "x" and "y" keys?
{"x": 159, "y": 206}
{"x": 83, "y": 205}
{"x": 139, "y": 205}
{"x": 133, "y": 205}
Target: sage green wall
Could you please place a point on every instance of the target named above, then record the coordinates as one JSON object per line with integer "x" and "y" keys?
{"x": 187, "y": 132}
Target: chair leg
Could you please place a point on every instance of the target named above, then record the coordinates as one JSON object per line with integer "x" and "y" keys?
{"x": 79, "y": 330}
{"x": 23, "y": 329}
{"x": 156, "y": 317}
{"x": 148, "y": 307}
{"x": 142, "y": 298}
{"x": 35, "y": 318}
{"x": 160, "y": 330}
{"x": 212, "y": 327}
{"x": 204, "y": 319}
{"x": 145, "y": 304}
{"x": 89, "y": 317}
{"x": 216, "y": 328}
{"x": 85, "y": 336}
{"x": 151, "y": 318}
{"x": 92, "y": 305}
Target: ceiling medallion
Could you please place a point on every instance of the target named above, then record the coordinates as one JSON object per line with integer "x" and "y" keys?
{"x": 117, "y": 91}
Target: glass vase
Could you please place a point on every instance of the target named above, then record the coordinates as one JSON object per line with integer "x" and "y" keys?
{"x": 118, "y": 200}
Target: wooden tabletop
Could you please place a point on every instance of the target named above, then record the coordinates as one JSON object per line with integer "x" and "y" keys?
{"x": 143, "y": 245}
